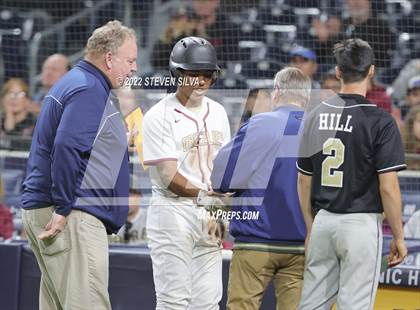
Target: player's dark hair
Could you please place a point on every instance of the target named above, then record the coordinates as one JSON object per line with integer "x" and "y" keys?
{"x": 354, "y": 57}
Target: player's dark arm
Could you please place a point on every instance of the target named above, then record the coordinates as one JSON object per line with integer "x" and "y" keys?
{"x": 174, "y": 181}
{"x": 304, "y": 192}
{"x": 181, "y": 187}
{"x": 391, "y": 201}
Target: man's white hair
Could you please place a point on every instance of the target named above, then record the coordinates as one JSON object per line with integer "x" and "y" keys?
{"x": 108, "y": 38}
{"x": 293, "y": 85}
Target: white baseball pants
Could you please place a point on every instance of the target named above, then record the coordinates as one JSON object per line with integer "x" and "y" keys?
{"x": 187, "y": 265}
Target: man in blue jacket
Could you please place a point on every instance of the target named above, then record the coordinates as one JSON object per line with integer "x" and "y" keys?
{"x": 76, "y": 189}
{"x": 259, "y": 166}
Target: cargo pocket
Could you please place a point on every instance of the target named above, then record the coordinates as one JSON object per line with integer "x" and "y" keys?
{"x": 55, "y": 245}
{"x": 94, "y": 224}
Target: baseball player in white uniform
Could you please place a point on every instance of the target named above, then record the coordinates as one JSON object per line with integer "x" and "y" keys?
{"x": 182, "y": 134}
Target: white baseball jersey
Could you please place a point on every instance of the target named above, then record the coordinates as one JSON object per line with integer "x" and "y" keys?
{"x": 173, "y": 132}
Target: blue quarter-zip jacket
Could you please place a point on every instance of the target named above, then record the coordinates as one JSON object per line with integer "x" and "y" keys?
{"x": 259, "y": 165}
{"x": 78, "y": 157}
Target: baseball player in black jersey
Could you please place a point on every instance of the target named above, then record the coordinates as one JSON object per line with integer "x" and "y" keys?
{"x": 350, "y": 154}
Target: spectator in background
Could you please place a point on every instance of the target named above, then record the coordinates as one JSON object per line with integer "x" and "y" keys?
{"x": 258, "y": 101}
{"x": 327, "y": 33}
{"x": 362, "y": 24}
{"x": 330, "y": 87}
{"x": 411, "y": 137}
{"x": 376, "y": 94}
{"x": 399, "y": 87}
{"x": 205, "y": 20}
{"x": 305, "y": 60}
{"x": 53, "y": 68}
{"x": 180, "y": 25}
{"x": 217, "y": 28}
{"x": 6, "y": 219}
{"x": 17, "y": 122}
{"x": 134, "y": 229}
{"x": 330, "y": 81}
{"x": 412, "y": 97}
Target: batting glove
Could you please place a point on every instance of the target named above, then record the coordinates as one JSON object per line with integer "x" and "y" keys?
{"x": 210, "y": 202}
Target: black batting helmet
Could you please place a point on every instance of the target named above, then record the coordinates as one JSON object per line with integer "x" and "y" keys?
{"x": 193, "y": 54}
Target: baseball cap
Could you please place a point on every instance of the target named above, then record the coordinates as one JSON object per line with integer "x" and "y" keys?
{"x": 303, "y": 52}
{"x": 414, "y": 82}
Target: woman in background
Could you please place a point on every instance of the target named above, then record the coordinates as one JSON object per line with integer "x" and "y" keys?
{"x": 411, "y": 137}
{"x": 17, "y": 122}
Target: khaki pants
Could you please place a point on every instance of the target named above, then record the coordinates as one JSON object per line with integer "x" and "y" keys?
{"x": 74, "y": 264}
{"x": 251, "y": 272}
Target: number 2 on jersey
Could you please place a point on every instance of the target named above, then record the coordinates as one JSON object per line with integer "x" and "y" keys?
{"x": 334, "y": 148}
